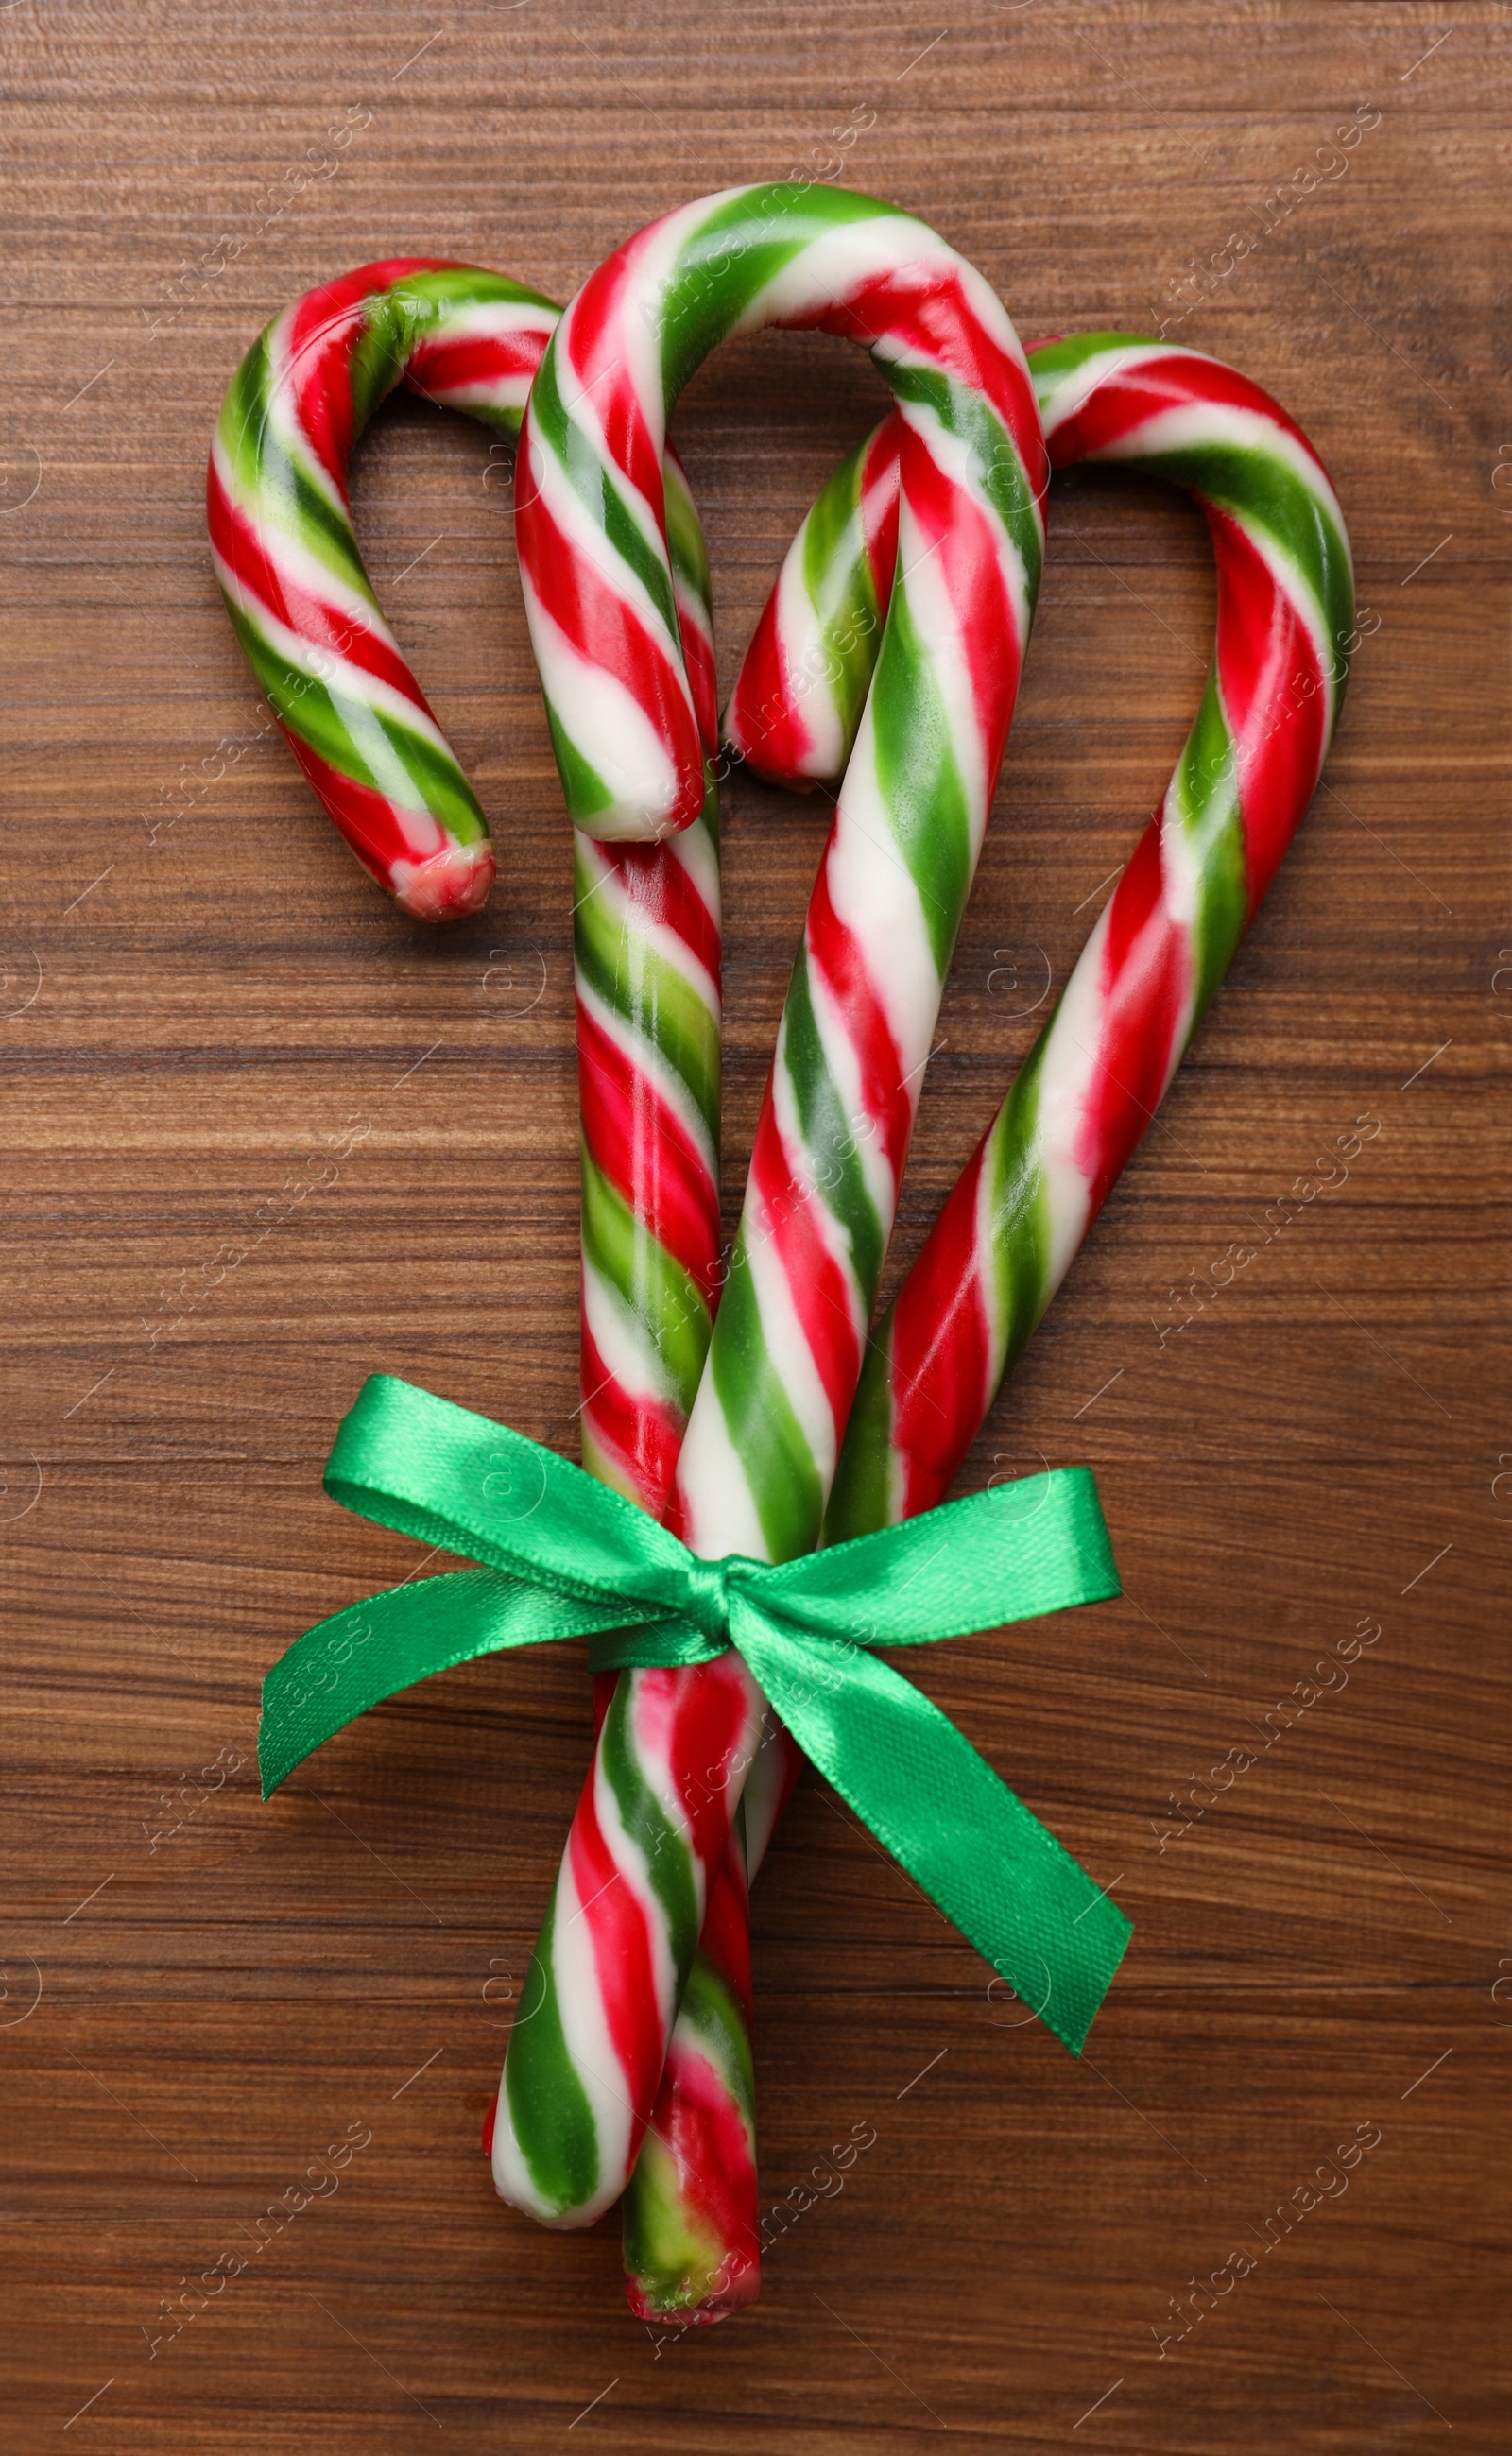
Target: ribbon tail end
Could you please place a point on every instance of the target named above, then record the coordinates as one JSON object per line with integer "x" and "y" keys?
{"x": 1074, "y": 2031}
{"x": 269, "y": 1772}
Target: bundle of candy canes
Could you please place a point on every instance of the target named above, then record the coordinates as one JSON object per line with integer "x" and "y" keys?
{"x": 747, "y": 1400}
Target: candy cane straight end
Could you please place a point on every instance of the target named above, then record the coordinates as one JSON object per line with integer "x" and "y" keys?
{"x": 452, "y": 884}
{"x": 698, "y": 2297}
{"x": 692, "y": 2252}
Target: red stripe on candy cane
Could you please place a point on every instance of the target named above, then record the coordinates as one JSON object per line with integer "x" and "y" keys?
{"x": 642, "y": 1147}
{"x": 839, "y": 959}
{"x": 1273, "y": 695}
{"x": 818, "y": 1288}
{"x": 638, "y": 1434}
{"x": 665, "y": 893}
{"x": 308, "y": 616}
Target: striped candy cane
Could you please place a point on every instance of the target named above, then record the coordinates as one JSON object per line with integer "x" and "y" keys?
{"x": 764, "y": 1437}
{"x": 646, "y": 919}
{"x": 646, "y": 939}
{"x": 303, "y": 608}
{"x": 647, "y": 953}
{"x": 1248, "y": 772}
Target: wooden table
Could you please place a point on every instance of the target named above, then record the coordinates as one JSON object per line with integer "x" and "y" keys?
{"x": 201, "y": 1020}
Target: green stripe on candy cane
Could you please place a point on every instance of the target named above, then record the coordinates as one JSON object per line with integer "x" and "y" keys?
{"x": 656, "y": 1295}
{"x": 636, "y": 972}
{"x": 571, "y": 2159}
{"x": 921, "y": 781}
{"x": 843, "y": 592}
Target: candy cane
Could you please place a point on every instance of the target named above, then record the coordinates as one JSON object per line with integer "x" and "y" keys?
{"x": 584, "y": 2067}
{"x": 646, "y": 918}
{"x": 298, "y": 596}
{"x": 1285, "y": 584}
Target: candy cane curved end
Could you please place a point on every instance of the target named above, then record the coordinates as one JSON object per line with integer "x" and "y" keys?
{"x": 589, "y": 515}
{"x": 1109, "y": 1048}
{"x": 293, "y": 577}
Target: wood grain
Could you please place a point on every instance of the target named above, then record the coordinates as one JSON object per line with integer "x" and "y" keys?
{"x": 195, "y": 1024}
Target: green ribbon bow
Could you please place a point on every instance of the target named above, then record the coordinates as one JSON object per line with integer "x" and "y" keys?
{"x": 567, "y": 1557}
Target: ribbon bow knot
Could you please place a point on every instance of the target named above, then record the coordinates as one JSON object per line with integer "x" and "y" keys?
{"x": 562, "y": 1555}
{"x": 709, "y": 1601}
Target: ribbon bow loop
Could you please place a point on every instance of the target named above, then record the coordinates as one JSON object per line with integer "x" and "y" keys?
{"x": 563, "y": 1556}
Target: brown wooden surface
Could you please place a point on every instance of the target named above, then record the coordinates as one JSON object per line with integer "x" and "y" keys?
{"x": 194, "y": 1028}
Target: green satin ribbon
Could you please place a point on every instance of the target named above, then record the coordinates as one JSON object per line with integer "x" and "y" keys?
{"x": 567, "y": 1557}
